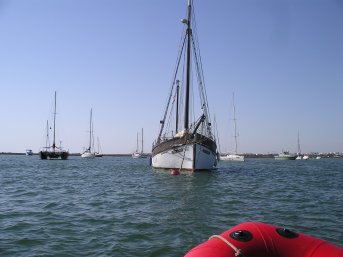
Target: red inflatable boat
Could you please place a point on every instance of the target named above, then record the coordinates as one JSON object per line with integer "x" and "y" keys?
{"x": 255, "y": 239}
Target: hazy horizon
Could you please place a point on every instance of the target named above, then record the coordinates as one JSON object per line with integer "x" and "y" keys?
{"x": 282, "y": 59}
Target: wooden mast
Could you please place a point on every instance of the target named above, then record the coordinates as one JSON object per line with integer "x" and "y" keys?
{"x": 177, "y": 106}
{"x": 189, "y": 34}
{"x": 53, "y": 144}
{"x": 47, "y": 143}
{"x": 234, "y": 120}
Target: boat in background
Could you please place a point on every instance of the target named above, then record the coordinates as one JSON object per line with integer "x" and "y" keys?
{"x": 191, "y": 146}
{"x": 99, "y": 152}
{"x": 29, "y": 152}
{"x": 300, "y": 155}
{"x": 285, "y": 155}
{"x": 137, "y": 153}
{"x": 234, "y": 156}
{"x": 89, "y": 152}
{"x": 53, "y": 151}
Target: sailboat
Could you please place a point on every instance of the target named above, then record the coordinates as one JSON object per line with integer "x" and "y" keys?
{"x": 300, "y": 156}
{"x": 53, "y": 151}
{"x": 99, "y": 152}
{"x": 137, "y": 153}
{"x": 89, "y": 152}
{"x": 234, "y": 156}
{"x": 191, "y": 146}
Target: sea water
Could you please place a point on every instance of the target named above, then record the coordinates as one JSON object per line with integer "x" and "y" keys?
{"x": 119, "y": 206}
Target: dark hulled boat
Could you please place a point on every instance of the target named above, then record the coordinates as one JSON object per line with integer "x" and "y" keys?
{"x": 53, "y": 151}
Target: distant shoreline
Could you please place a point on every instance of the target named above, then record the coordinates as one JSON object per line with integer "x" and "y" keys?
{"x": 246, "y": 155}
{"x": 71, "y": 154}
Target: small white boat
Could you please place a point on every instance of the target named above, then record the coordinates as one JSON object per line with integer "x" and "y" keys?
{"x": 300, "y": 155}
{"x": 137, "y": 153}
{"x": 318, "y": 157}
{"x": 29, "y": 152}
{"x": 232, "y": 157}
{"x": 99, "y": 152}
{"x": 88, "y": 153}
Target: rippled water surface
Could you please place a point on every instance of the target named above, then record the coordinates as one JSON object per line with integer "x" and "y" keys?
{"x": 118, "y": 206}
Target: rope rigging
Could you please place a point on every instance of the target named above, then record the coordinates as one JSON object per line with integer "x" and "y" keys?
{"x": 166, "y": 126}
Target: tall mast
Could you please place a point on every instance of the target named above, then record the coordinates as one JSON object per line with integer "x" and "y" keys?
{"x": 299, "y": 149}
{"x": 142, "y": 141}
{"x": 98, "y": 144}
{"x": 47, "y": 143}
{"x": 177, "y": 106}
{"x": 189, "y": 34}
{"x": 90, "y": 132}
{"x": 234, "y": 120}
{"x": 53, "y": 144}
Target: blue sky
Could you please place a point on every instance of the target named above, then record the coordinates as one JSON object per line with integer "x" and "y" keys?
{"x": 282, "y": 58}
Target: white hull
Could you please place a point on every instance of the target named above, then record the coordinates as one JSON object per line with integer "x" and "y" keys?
{"x": 305, "y": 157}
{"x": 187, "y": 157}
{"x": 283, "y": 158}
{"x": 29, "y": 152}
{"x": 88, "y": 155}
{"x": 136, "y": 155}
{"x": 232, "y": 157}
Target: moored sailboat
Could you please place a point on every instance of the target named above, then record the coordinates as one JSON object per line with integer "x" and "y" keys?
{"x": 234, "y": 156}
{"x": 89, "y": 152}
{"x": 193, "y": 145}
{"x": 300, "y": 156}
{"x": 53, "y": 151}
{"x": 137, "y": 153}
{"x": 99, "y": 152}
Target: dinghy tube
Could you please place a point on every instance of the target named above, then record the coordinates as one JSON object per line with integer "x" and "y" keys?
{"x": 255, "y": 239}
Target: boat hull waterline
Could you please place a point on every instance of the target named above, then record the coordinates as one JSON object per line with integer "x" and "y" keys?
{"x": 285, "y": 155}
{"x": 88, "y": 155}
{"x": 285, "y": 158}
{"x": 47, "y": 155}
{"x": 186, "y": 157}
{"x": 233, "y": 157}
